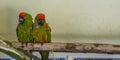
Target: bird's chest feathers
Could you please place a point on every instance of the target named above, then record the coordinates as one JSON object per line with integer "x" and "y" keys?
{"x": 39, "y": 27}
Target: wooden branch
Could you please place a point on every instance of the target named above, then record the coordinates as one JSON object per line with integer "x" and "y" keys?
{"x": 72, "y": 47}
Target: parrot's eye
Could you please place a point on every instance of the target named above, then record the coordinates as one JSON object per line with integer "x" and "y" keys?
{"x": 21, "y": 20}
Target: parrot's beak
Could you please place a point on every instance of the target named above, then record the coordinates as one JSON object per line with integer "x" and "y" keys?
{"x": 40, "y": 22}
{"x": 21, "y": 20}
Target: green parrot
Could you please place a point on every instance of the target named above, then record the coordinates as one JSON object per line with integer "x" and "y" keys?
{"x": 41, "y": 33}
{"x": 24, "y": 28}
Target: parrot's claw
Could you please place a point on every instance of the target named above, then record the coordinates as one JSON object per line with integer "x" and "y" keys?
{"x": 26, "y": 44}
{"x": 22, "y": 45}
{"x": 32, "y": 44}
{"x": 42, "y": 44}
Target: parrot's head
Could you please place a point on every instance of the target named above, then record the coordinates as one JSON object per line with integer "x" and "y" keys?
{"x": 21, "y": 17}
{"x": 41, "y": 19}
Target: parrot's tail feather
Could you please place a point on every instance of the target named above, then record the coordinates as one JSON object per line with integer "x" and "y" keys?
{"x": 44, "y": 55}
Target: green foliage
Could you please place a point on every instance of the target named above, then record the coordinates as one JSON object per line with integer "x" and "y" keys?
{"x": 28, "y": 53}
{"x": 17, "y": 53}
{"x": 11, "y": 54}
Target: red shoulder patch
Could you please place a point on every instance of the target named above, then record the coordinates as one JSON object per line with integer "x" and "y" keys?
{"x": 47, "y": 27}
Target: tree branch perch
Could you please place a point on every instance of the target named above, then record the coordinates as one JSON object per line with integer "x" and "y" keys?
{"x": 72, "y": 47}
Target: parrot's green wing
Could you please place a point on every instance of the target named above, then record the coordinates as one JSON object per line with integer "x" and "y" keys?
{"x": 24, "y": 31}
{"x": 28, "y": 28}
{"x": 48, "y": 31}
{"x": 47, "y": 28}
{"x": 19, "y": 32}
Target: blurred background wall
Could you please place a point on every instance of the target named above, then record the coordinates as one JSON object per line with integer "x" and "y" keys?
{"x": 88, "y": 21}
{"x": 91, "y": 21}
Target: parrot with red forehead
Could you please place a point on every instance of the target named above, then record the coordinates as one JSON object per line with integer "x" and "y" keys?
{"x": 41, "y": 33}
{"x": 24, "y": 28}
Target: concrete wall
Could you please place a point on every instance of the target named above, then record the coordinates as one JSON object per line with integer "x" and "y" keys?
{"x": 71, "y": 21}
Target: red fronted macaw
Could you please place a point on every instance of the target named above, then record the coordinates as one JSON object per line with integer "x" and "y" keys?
{"x": 24, "y": 28}
{"x": 41, "y": 33}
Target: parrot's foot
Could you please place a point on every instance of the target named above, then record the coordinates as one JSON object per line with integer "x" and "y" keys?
{"x": 42, "y": 44}
{"x": 22, "y": 45}
{"x": 32, "y": 44}
{"x": 26, "y": 44}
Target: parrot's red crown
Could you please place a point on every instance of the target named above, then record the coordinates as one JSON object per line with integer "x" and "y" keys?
{"x": 41, "y": 16}
{"x": 22, "y": 15}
